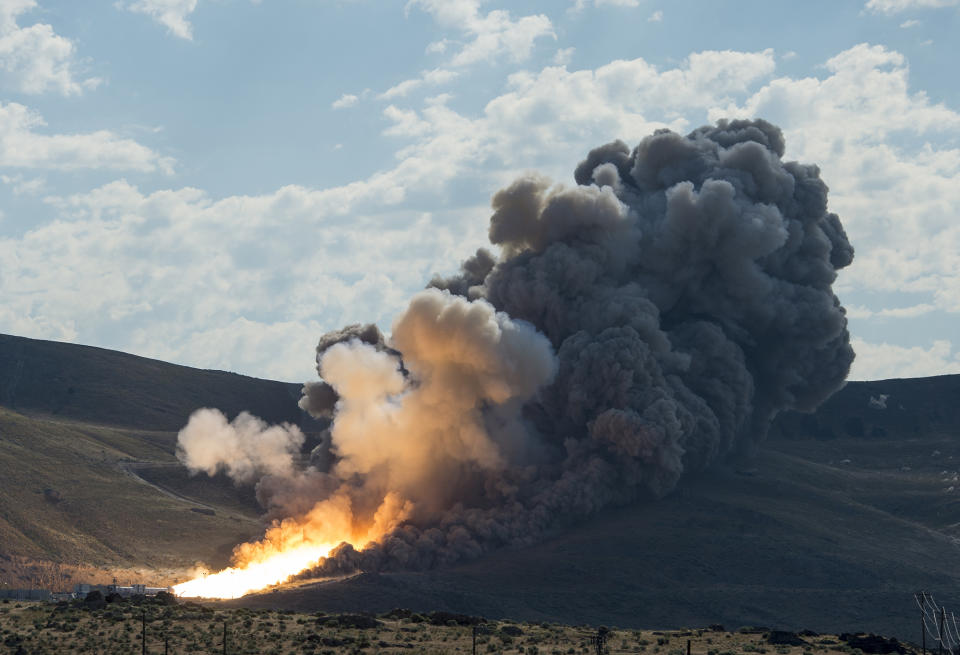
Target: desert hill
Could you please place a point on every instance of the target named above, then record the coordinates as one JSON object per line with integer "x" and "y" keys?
{"x": 87, "y": 466}
{"x": 832, "y": 526}
{"x": 903, "y": 409}
{"x": 107, "y": 387}
{"x": 833, "y": 538}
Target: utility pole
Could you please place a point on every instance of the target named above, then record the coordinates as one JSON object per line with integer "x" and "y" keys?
{"x": 940, "y": 635}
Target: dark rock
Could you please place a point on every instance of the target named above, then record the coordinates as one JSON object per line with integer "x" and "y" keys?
{"x": 358, "y": 621}
{"x": 785, "y": 638}
{"x": 444, "y": 618}
{"x": 871, "y": 643}
{"x": 397, "y": 613}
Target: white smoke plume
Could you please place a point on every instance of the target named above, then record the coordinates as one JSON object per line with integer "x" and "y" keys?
{"x": 638, "y": 326}
{"x": 245, "y": 448}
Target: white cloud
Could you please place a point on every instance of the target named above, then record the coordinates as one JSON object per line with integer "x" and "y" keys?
{"x": 194, "y": 276}
{"x": 249, "y": 282}
{"x": 891, "y": 158}
{"x": 580, "y": 4}
{"x": 433, "y": 77}
{"x": 896, "y": 6}
{"x": 492, "y": 35}
{"x": 563, "y": 56}
{"x": 907, "y": 24}
{"x": 860, "y": 311}
{"x": 24, "y": 186}
{"x": 244, "y": 282}
{"x": 882, "y": 361}
{"x": 551, "y": 118}
{"x": 346, "y": 100}
{"x": 21, "y": 146}
{"x": 172, "y": 14}
{"x": 406, "y": 122}
{"x": 437, "y": 47}
{"x": 36, "y": 59}
{"x": 655, "y": 17}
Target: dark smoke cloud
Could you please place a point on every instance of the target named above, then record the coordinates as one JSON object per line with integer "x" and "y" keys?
{"x": 685, "y": 289}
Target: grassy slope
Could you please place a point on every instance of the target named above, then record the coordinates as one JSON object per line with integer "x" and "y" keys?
{"x": 78, "y": 421}
{"x": 67, "y": 497}
{"x": 804, "y": 542}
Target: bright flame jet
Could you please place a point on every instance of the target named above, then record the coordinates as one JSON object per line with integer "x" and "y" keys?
{"x": 294, "y": 545}
{"x": 234, "y": 582}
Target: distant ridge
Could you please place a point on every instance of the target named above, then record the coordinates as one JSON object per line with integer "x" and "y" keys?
{"x": 905, "y": 408}
{"x": 107, "y": 387}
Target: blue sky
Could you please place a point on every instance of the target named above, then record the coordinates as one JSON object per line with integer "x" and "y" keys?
{"x": 218, "y": 182}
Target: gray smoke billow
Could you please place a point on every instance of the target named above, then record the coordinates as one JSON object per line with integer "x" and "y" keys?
{"x": 638, "y": 326}
{"x": 319, "y": 398}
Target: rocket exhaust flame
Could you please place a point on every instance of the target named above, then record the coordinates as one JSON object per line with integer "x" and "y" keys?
{"x": 647, "y": 322}
{"x": 234, "y": 582}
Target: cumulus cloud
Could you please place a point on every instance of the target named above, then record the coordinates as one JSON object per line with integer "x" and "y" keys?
{"x": 28, "y": 186}
{"x": 882, "y": 361}
{"x": 877, "y": 141}
{"x": 116, "y": 264}
{"x": 344, "y": 101}
{"x": 489, "y": 35}
{"x": 22, "y": 146}
{"x": 859, "y": 311}
{"x": 655, "y": 17}
{"x": 36, "y": 59}
{"x": 578, "y": 5}
{"x": 119, "y": 262}
{"x": 172, "y": 14}
{"x": 890, "y": 157}
{"x": 433, "y": 77}
{"x": 897, "y": 6}
{"x": 563, "y": 56}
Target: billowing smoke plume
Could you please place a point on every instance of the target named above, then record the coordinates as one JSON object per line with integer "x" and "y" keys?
{"x": 245, "y": 449}
{"x": 318, "y": 397}
{"x": 639, "y": 325}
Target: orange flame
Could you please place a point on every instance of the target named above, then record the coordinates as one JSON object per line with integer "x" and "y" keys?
{"x": 237, "y": 581}
{"x": 294, "y": 545}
